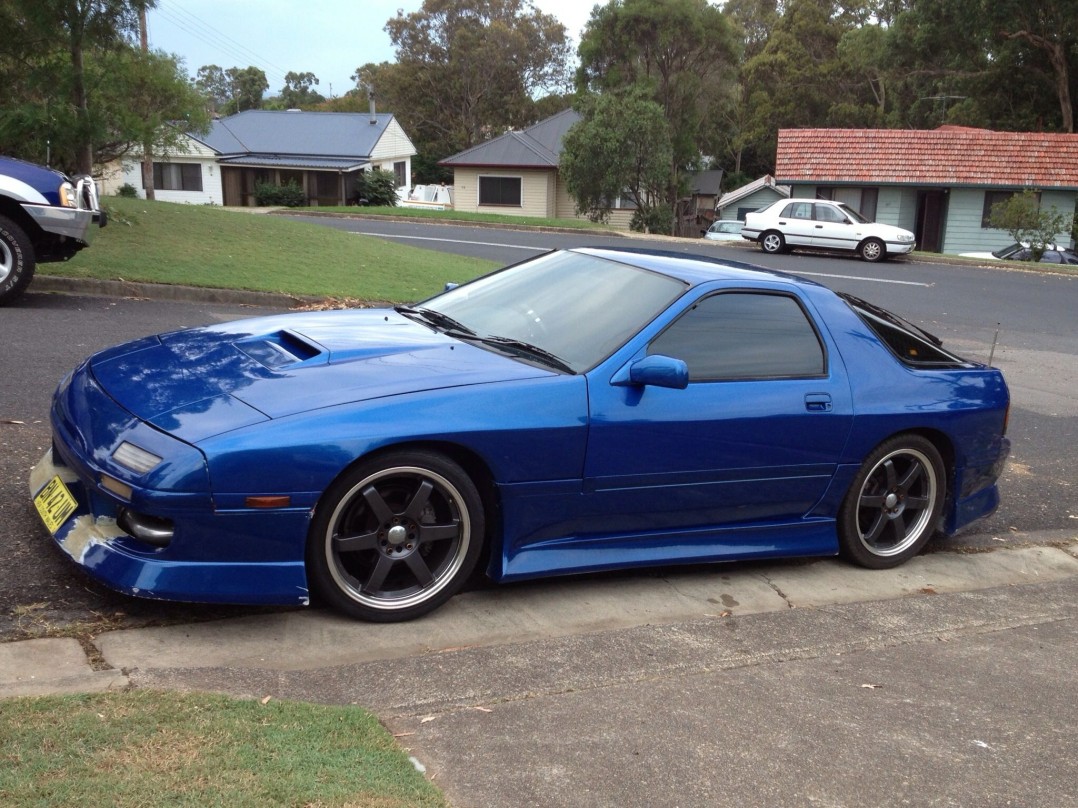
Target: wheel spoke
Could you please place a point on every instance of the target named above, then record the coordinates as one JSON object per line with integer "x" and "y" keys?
{"x": 917, "y": 503}
{"x": 352, "y": 544}
{"x": 419, "y": 501}
{"x": 911, "y": 477}
{"x": 431, "y": 533}
{"x": 419, "y": 569}
{"x": 872, "y": 501}
{"x": 872, "y": 535}
{"x": 377, "y": 504}
{"x": 890, "y": 475}
{"x": 898, "y": 527}
{"x": 378, "y": 574}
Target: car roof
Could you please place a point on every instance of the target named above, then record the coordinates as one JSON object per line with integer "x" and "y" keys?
{"x": 693, "y": 269}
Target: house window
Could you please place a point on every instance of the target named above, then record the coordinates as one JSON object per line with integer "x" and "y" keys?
{"x": 992, "y": 198}
{"x": 399, "y": 173}
{"x": 177, "y": 176}
{"x": 625, "y": 201}
{"x": 505, "y": 191}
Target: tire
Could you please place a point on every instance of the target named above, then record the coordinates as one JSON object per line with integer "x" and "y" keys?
{"x": 872, "y": 250}
{"x": 772, "y": 242}
{"x": 894, "y": 503}
{"x": 16, "y": 260}
{"x": 395, "y": 537}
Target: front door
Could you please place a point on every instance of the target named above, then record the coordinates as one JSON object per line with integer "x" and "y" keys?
{"x": 753, "y": 439}
{"x": 930, "y": 212}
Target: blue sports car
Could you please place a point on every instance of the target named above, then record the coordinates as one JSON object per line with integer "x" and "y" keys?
{"x": 588, "y": 409}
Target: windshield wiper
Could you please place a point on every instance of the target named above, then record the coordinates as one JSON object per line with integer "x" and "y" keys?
{"x": 525, "y": 348}
{"x": 433, "y": 317}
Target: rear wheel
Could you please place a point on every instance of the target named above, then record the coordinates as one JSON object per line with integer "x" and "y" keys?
{"x": 894, "y": 503}
{"x": 16, "y": 260}
{"x": 873, "y": 250}
{"x": 772, "y": 242}
{"x": 395, "y": 537}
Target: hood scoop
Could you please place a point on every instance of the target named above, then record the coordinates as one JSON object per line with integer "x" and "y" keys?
{"x": 283, "y": 349}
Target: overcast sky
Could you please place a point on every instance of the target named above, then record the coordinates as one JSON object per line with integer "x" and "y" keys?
{"x": 329, "y": 38}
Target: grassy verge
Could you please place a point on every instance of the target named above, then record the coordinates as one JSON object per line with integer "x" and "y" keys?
{"x": 195, "y": 245}
{"x": 148, "y": 748}
{"x": 465, "y": 216}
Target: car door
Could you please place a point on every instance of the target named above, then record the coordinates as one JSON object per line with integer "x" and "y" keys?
{"x": 753, "y": 440}
{"x": 796, "y": 223}
{"x": 832, "y": 229}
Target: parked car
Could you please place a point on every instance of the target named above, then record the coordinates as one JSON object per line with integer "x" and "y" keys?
{"x": 44, "y": 216}
{"x": 725, "y": 230}
{"x": 825, "y": 225}
{"x": 1021, "y": 252}
{"x": 587, "y": 409}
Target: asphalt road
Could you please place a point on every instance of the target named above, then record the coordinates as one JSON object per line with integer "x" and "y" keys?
{"x": 45, "y": 335}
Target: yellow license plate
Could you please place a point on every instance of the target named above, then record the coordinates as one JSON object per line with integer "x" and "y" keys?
{"x": 55, "y": 504}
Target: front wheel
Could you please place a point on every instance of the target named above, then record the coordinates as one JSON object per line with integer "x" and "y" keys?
{"x": 772, "y": 242}
{"x": 873, "y": 250}
{"x": 16, "y": 260}
{"x": 894, "y": 503}
{"x": 395, "y": 537}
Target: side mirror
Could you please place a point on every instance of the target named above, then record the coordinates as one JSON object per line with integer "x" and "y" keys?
{"x": 656, "y": 371}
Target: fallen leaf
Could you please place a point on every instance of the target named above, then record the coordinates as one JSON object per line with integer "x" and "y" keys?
{"x": 871, "y": 687}
{"x": 426, "y": 719}
{"x": 927, "y": 590}
{"x": 266, "y": 700}
{"x": 483, "y": 709}
{"x": 13, "y": 421}
{"x": 402, "y": 734}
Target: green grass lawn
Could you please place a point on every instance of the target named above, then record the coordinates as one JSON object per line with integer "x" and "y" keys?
{"x": 197, "y": 245}
{"x": 146, "y": 748}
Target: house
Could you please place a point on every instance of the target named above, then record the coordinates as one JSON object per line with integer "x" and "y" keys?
{"x": 320, "y": 151}
{"x": 940, "y": 183}
{"x": 733, "y": 205}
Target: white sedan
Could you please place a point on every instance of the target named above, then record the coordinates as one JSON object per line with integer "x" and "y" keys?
{"x": 825, "y": 225}
{"x": 725, "y": 230}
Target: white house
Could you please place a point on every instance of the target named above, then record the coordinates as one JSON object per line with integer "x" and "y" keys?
{"x": 320, "y": 151}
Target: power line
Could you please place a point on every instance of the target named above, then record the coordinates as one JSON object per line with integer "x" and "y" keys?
{"x": 204, "y": 32}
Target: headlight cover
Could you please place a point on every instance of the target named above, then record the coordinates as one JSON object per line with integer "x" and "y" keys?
{"x": 135, "y": 458}
{"x": 67, "y": 195}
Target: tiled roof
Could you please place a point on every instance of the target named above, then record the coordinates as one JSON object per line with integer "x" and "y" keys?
{"x": 538, "y": 146}
{"x": 950, "y": 155}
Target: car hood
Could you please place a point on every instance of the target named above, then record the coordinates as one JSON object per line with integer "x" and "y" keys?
{"x": 204, "y": 381}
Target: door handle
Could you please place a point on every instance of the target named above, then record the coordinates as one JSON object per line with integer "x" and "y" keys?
{"x": 819, "y": 227}
{"x": 818, "y": 402}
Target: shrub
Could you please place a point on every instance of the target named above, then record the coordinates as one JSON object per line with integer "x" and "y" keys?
{"x": 377, "y": 188}
{"x": 289, "y": 195}
{"x": 127, "y": 190}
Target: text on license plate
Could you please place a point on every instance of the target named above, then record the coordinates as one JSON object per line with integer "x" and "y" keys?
{"x": 55, "y": 504}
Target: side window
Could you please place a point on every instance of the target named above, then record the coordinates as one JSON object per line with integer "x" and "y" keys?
{"x": 797, "y": 210}
{"x": 744, "y": 335}
{"x": 826, "y": 213}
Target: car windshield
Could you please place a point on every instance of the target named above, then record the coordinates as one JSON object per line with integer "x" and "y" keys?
{"x": 571, "y": 306}
{"x": 1008, "y": 251}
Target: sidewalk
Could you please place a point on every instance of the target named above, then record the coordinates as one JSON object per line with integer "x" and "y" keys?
{"x": 305, "y": 640}
{"x": 947, "y": 682}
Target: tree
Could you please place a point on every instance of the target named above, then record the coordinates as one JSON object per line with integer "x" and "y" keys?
{"x": 1021, "y": 216}
{"x": 683, "y": 51}
{"x": 75, "y": 28}
{"x": 128, "y": 95}
{"x": 467, "y": 70}
{"x": 246, "y": 86}
{"x": 622, "y": 147}
{"x": 298, "y": 91}
{"x": 214, "y": 85}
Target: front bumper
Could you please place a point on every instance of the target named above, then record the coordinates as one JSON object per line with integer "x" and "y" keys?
{"x": 94, "y": 541}
{"x": 900, "y": 247}
{"x": 69, "y": 222}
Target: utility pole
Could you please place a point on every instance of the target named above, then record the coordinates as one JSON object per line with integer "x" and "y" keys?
{"x": 147, "y": 146}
